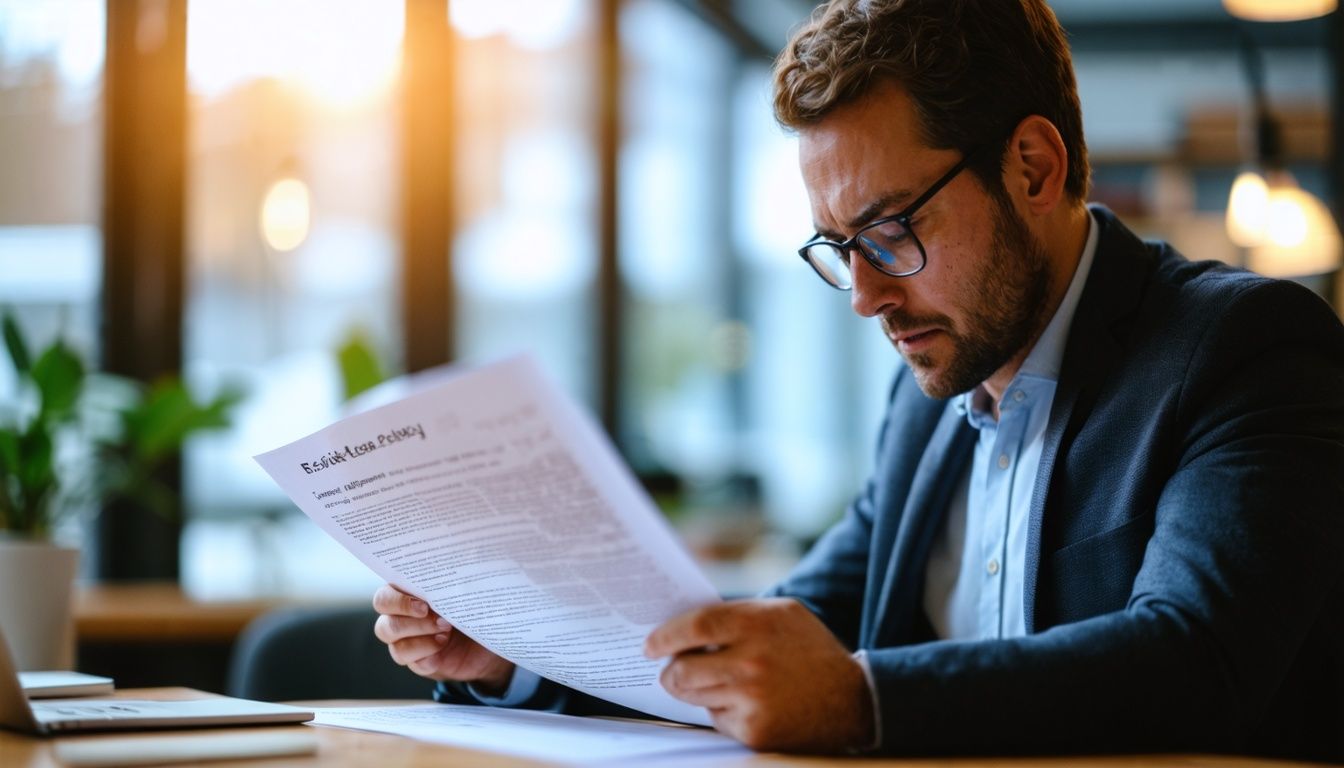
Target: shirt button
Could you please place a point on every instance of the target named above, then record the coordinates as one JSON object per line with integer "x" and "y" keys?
{"x": 993, "y": 567}
{"x": 1019, "y": 395}
{"x": 1003, "y": 461}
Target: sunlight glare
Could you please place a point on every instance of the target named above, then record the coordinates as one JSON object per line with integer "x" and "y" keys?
{"x": 344, "y": 52}
{"x": 69, "y": 32}
{"x": 537, "y": 25}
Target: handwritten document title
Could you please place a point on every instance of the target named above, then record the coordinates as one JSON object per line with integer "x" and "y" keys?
{"x": 348, "y": 452}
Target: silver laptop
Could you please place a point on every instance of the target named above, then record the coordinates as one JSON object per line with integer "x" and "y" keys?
{"x": 66, "y": 715}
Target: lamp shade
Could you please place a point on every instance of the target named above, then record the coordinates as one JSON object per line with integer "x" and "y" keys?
{"x": 1247, "y": 209}
{"x": 1279, "y": 10}
{"x": 285, "y": 214}
{"x": 1300, "y": 236}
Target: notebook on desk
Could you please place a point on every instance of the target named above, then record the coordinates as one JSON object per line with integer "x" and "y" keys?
{"x": 61, "y": 685}
{"x": 67, "y": 715}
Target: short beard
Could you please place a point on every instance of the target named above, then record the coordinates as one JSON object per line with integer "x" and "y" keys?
{"x": 1003, "y": 310}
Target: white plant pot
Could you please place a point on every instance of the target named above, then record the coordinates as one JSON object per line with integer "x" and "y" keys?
{"x": 36, "y": 612}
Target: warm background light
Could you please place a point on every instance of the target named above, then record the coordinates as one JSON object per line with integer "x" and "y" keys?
{"x": 1279, "y": 10}
{"x": 285, "y": 214}
{"x": 1301, "y": 237}
{"x": 1247, "y": 208}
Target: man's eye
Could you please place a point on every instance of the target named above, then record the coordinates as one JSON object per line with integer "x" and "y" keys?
{"x": 887, "y": 235}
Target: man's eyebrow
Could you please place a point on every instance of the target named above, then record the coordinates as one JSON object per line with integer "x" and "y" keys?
{"x": 873, "y": 210}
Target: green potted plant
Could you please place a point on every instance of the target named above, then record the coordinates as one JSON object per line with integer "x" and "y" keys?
{"x": 49, "y": 390}
{"x": 71, "y": 440}
{"x": 35, "y": 573}
{"x": 136, "y": 457}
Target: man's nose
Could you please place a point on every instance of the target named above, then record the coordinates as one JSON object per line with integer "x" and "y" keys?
{"x": 873, "y": 292}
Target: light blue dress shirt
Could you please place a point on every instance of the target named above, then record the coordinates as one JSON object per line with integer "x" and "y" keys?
{"x": 973, "y": 586}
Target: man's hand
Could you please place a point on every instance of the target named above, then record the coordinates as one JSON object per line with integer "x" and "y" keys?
{"x": 425, "y": 643}
{"x": 771, "y": 674}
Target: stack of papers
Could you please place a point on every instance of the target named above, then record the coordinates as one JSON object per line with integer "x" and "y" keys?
{"x": 541, "y": 735}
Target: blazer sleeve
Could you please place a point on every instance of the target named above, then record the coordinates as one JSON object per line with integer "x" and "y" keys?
{"x": 543, "y": 696}
{"x": 1245, "y": 562}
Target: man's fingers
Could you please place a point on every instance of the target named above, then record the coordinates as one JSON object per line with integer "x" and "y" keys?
{"x": 700, "y": 628}
{"x": 390, "y": 601}
{"x": 720, "y": 698}
{"x": 430, "y": 666}
{"x": 414, "y": 650}
{"x": 390, "y": 629}
{"x": 701, "y": 670}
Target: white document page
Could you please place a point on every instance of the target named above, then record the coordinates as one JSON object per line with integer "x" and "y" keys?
{"x": 542, "y": 735}
{"x": 500, "y": 504}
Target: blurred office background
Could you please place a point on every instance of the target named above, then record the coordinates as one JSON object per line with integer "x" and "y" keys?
{"x": 233, "y": 189}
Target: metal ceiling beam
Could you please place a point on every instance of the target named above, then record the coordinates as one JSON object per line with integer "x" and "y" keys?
{"x": 1194, "y": 34}
{"x": 1197, "y": 32}
{"x": 720, "y": 15}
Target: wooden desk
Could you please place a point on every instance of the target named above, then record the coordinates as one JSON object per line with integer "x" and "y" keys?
{"x": 159, "y": 612}
{"x": 354, "y": 749}
{"x": 152, "y": 633}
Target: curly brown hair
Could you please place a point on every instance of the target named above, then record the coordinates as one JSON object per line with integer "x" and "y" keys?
{"x": 973, "y": 69}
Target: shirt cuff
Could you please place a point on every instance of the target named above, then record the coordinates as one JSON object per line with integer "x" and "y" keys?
{"x": 861, "y": 656}
{"x": 522, "y": 686}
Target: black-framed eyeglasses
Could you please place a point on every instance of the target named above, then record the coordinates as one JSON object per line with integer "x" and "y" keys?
{"x": 889, "y": 244}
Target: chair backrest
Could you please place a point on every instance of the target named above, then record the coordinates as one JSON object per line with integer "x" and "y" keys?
{"x": 293, "y": 654}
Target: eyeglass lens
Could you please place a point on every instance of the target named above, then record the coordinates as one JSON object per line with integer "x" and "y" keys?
{"x": 887, "y": 245}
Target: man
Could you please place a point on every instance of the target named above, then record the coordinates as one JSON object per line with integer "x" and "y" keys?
{"x": 1107, "y": 512}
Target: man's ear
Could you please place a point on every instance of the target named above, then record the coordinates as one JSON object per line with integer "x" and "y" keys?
{"x": 1037, "y": 165}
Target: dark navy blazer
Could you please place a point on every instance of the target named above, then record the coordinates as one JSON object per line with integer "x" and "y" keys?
{"x": 1185, "y": 559}
{"x": 1184, "y": 581}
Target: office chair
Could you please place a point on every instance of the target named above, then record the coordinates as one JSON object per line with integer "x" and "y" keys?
{"x": 292, "y": 654}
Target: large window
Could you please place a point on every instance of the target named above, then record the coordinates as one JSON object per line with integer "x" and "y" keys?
{"x": 525, "y": 251}
{"x": 51, "y": 66}
{"x": 747, "y": 383}
{"x": 819, "y": 373}
{"x": 680, "y": 356}
{"x": 292, "y": 248}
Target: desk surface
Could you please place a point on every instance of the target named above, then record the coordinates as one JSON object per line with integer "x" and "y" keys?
{"x": 161, "y": 612}
{"x": 337, "y": 747}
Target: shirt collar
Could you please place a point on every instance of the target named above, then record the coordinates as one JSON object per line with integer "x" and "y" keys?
{"x": 1047, "y": 355}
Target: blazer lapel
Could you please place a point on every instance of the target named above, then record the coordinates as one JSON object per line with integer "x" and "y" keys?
{"x": 1111, "y": 293}
{"x": 935, "y": 477}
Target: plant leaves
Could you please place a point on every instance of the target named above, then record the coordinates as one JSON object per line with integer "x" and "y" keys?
{"x": 9, "y": 482}
{"x": 159, "y": 424}
{"x": 153, "y": 425}
{"x": 59, "y": 376}
{"x": 36, "y": 473}
{"x": 218, "y": 413}
{"x": 9, "y": 451}
{"x": 36, "y": 467}
{"x": 18, "y": 349}
{"x": 360, "y": 370}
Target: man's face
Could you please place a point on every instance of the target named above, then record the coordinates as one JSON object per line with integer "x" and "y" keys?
{"x": 981, "y": 298}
